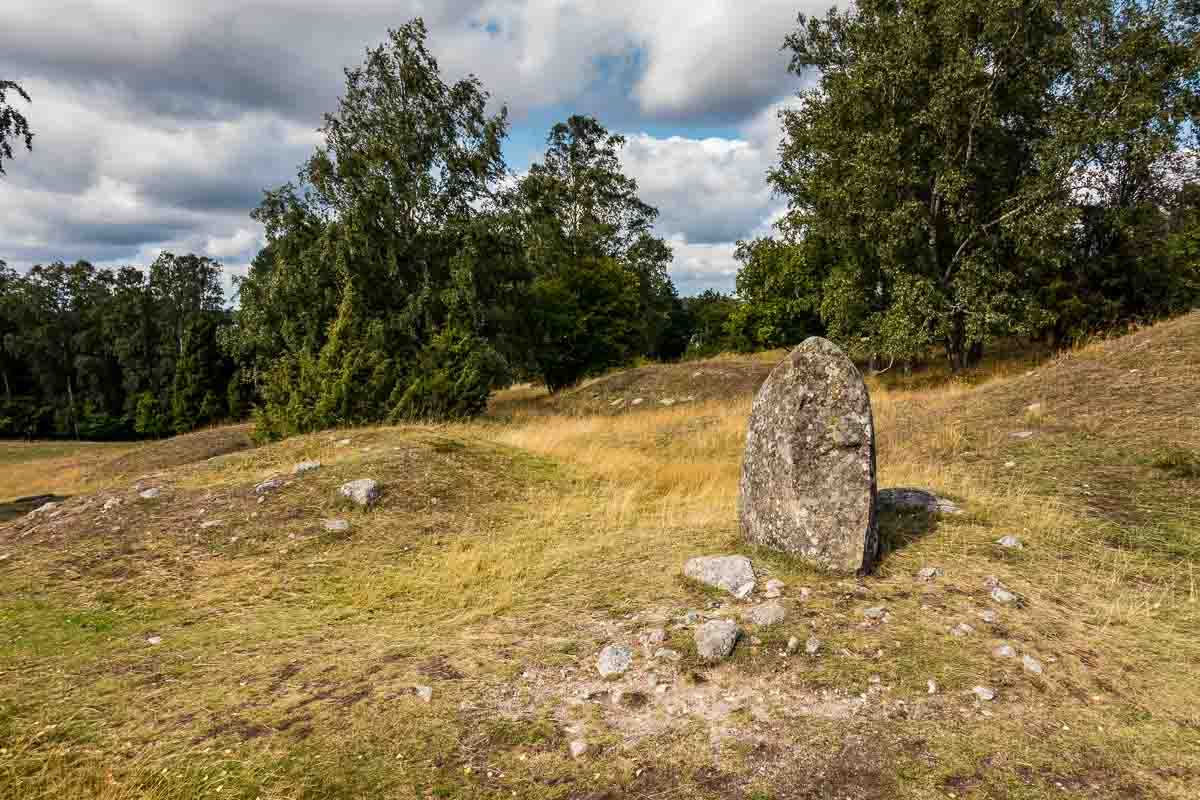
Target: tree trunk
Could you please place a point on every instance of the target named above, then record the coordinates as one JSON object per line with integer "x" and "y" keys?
{"x": 975, "y": 355}
{"x": 71, "y": 400}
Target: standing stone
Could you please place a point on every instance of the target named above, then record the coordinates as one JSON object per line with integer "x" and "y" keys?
{"x": 808, "y": 474}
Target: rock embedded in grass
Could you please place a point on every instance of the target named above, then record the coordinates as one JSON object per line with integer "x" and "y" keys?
{"x": 1003, "y": 596}
{"x": 929, "y": 573}
{"x": 808, "y": 473}
{"x": 1010, "y": 541}
{"x": 875, "y": 612}
{"x": 775, "y": 588}
{"x": 305, "y": 466}
{"x": 363, "y": 492}
{"x": 268, "y": 486}
{"x": 989, "y": 616}
{"x": 918, "y": 499}
{"x": 765, "y": 614}
{"x": 424, "y": 693}
{"x": 734, "y": 574}
{"x": 984, "y": 693}
{"x": 578, "y": 748}
{"x": 1031, "y": 665}
{"x": 812, "y": 646}
{"x": 614, "y": 661}
{"x": 715, "y": 639}
{"x": 1004, "y": 651}
{"x": 336, "y": 525}
{"x": 150, "y": 494}
{"x": 793, "y": 645}
{"x": 962, "y": 629}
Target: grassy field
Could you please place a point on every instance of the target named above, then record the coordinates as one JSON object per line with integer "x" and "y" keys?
{"x": 206, "y": 644}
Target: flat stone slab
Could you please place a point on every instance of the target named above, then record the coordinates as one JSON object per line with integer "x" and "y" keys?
{"x": 734, "y": 574}
{"x": 808, "y": 473}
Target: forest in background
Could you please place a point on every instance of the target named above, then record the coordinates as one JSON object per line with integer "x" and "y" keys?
{"x": 961, "y": 173}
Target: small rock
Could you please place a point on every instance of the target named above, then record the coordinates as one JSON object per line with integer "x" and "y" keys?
{"x": 1003, "y": 596}
{"x": 262, "y": 499}
{"x": 110, "y": 504}
{"x": 1010, "y": 541}
{"x": 991, "y": 582}
{"x": 211, "y": 523}
{"x": 1021, "y": 434}
{"x": 45, "y": 508}
{"x": 363, "y": 491}
{"x": 770, "y": 613}
{"x": 715, "y": 639}
{"x": 578, "y": 748}
{"x": 667, "y": 401}
{"x": 153, "y": 640}
{"x": 692, "y": 617}
{"x": 425, "y": 693}
{"x": 637, "y": 401}
{"x": 149, "y": 494}
{"x": 962, "y": 629}
{"x": 336, "y": 525}
{"x": 929, "y": 573}
{"x": 775, "y": 588}
{"x": 805, "y": 593}
{"x": 734, "y": 574}
{"x": 918, "y": 499}
{"x": 5, "y": 556}
{"x": 654, "y": 637}
{"x": 614, "y": 661}
{"x": 668, "y": 654}
{"x": 874, "y": 612}
{"x": 989, "y": 616}
{"x": 343, "y": 442}
{"x": 1009, "y": 464}
{"x": 933, "y": 687}
{"x": 793, "y": 645}
{"x": 305, "y": 466}
{"x": 268, "y": 486}
{"x": 984, "y": 693}
{"x": 1031, "y": 665}
{"x": 1004, "y": 651}
{"x": 812, "y": 646}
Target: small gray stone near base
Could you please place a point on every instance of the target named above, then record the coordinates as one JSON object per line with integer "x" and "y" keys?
{"x": 771, "y": 612}
{"x": 1011, "y": 542}
{"x": 147, "y": 494}
{"x": 984, "y": 693}
{"x": 715, "y": 639}
{"x": 614, "y": 661}
{"x": 363, "y": 492}
{"x": 775, "y": 588}
{"x": 1004, "y": 651}
{"x": 793, "y": 645}
{"x": 929, "y": 573}
{"x": 1003, "y": 596}
{"x": 578, "y": 748}
{"x": 1031, "y": 665}
{"x": 812, "y": 646}
{"x": 423, "y": 693}
{"x": 734, "y": 574}
{"x": 336, "y": 525}
{"x": 268, "y": 486}
{"x": 305, "y": 466}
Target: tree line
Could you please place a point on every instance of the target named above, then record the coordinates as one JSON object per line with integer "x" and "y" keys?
{"x": 959, "y": 173}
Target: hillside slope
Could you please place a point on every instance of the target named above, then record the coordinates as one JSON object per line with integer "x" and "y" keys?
{"x": 213, "y": 641}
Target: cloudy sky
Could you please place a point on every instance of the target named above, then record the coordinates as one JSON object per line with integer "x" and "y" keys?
{"x": 159, "y": 122}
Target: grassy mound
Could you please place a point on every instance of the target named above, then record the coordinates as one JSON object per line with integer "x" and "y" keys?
{"x": 205, "y": 643}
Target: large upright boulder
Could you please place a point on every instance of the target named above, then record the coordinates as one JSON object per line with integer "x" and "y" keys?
{"x": 808, "y": 474}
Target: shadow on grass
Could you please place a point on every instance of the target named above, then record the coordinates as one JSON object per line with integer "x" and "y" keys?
{"x": 23, "y": 505}
{"x": 900, "y": 526}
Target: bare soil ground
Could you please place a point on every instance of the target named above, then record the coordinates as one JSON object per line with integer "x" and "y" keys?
{"x": 215, "y": 642}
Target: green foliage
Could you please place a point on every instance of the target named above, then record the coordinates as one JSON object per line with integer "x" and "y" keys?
{"x": 13, "y": 125}
{"x": 779, "y": 288}
{"x": 709, "y": 316}
{"x": 583, "y": 320}
{"x": 600, "y": 294}
{"x": 150, "y": 418}
{"x": 453, "y": 378}
{"x": 949, "y": 150}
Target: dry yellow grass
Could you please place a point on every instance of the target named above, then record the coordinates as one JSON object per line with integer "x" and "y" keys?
{"x": 507, "y": 552}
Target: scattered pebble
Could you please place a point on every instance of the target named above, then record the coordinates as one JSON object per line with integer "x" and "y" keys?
{"x": 363, "y": 491}
{"x": 305, "y": 466}
{"x": 425, "y": 693}
{"x": 1031, "y": 665}
{"x": 578, "y": 748}
{"x": 962, "y": 629}
{"x": 874, "y": 612}
{"x": 637, "y": 401}
{"x": 654, "y": 637}
{"x": 1021, "y": 434}
{"x": 933, "y": 687}
{"x": 1004, "y": 651}
{"x": 268, "y": 486}
{"x": 771, "y": 612}
{"x": 668, "y": 654}
{"x": 1002, "y": 595}
{"x": 805, "y": 593}
{"x": 984, "y": 693}
{"x": 929, "y": 573}
{"x": 148, "y": 494}
{"x": 153, "y": 640}
{"x": 715, "y": 639}
{"x": 1010, "y": 541}
{"x": 734, "y": 574}
{"x": 793, "y": 645}
{"x": 336, "y": 525}
{"x": 775, "y": 588}
{"x": 692, "y": 617}
{"x": 614, "y": 661}
{"x": 1009, "y": 464}
{"x": 110, "y": 504}
{"x": 812, "y": 646}
{"x": 343, "y": 442}
{"x": 211, "y": 523}
{"x": 989, "y": 616}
